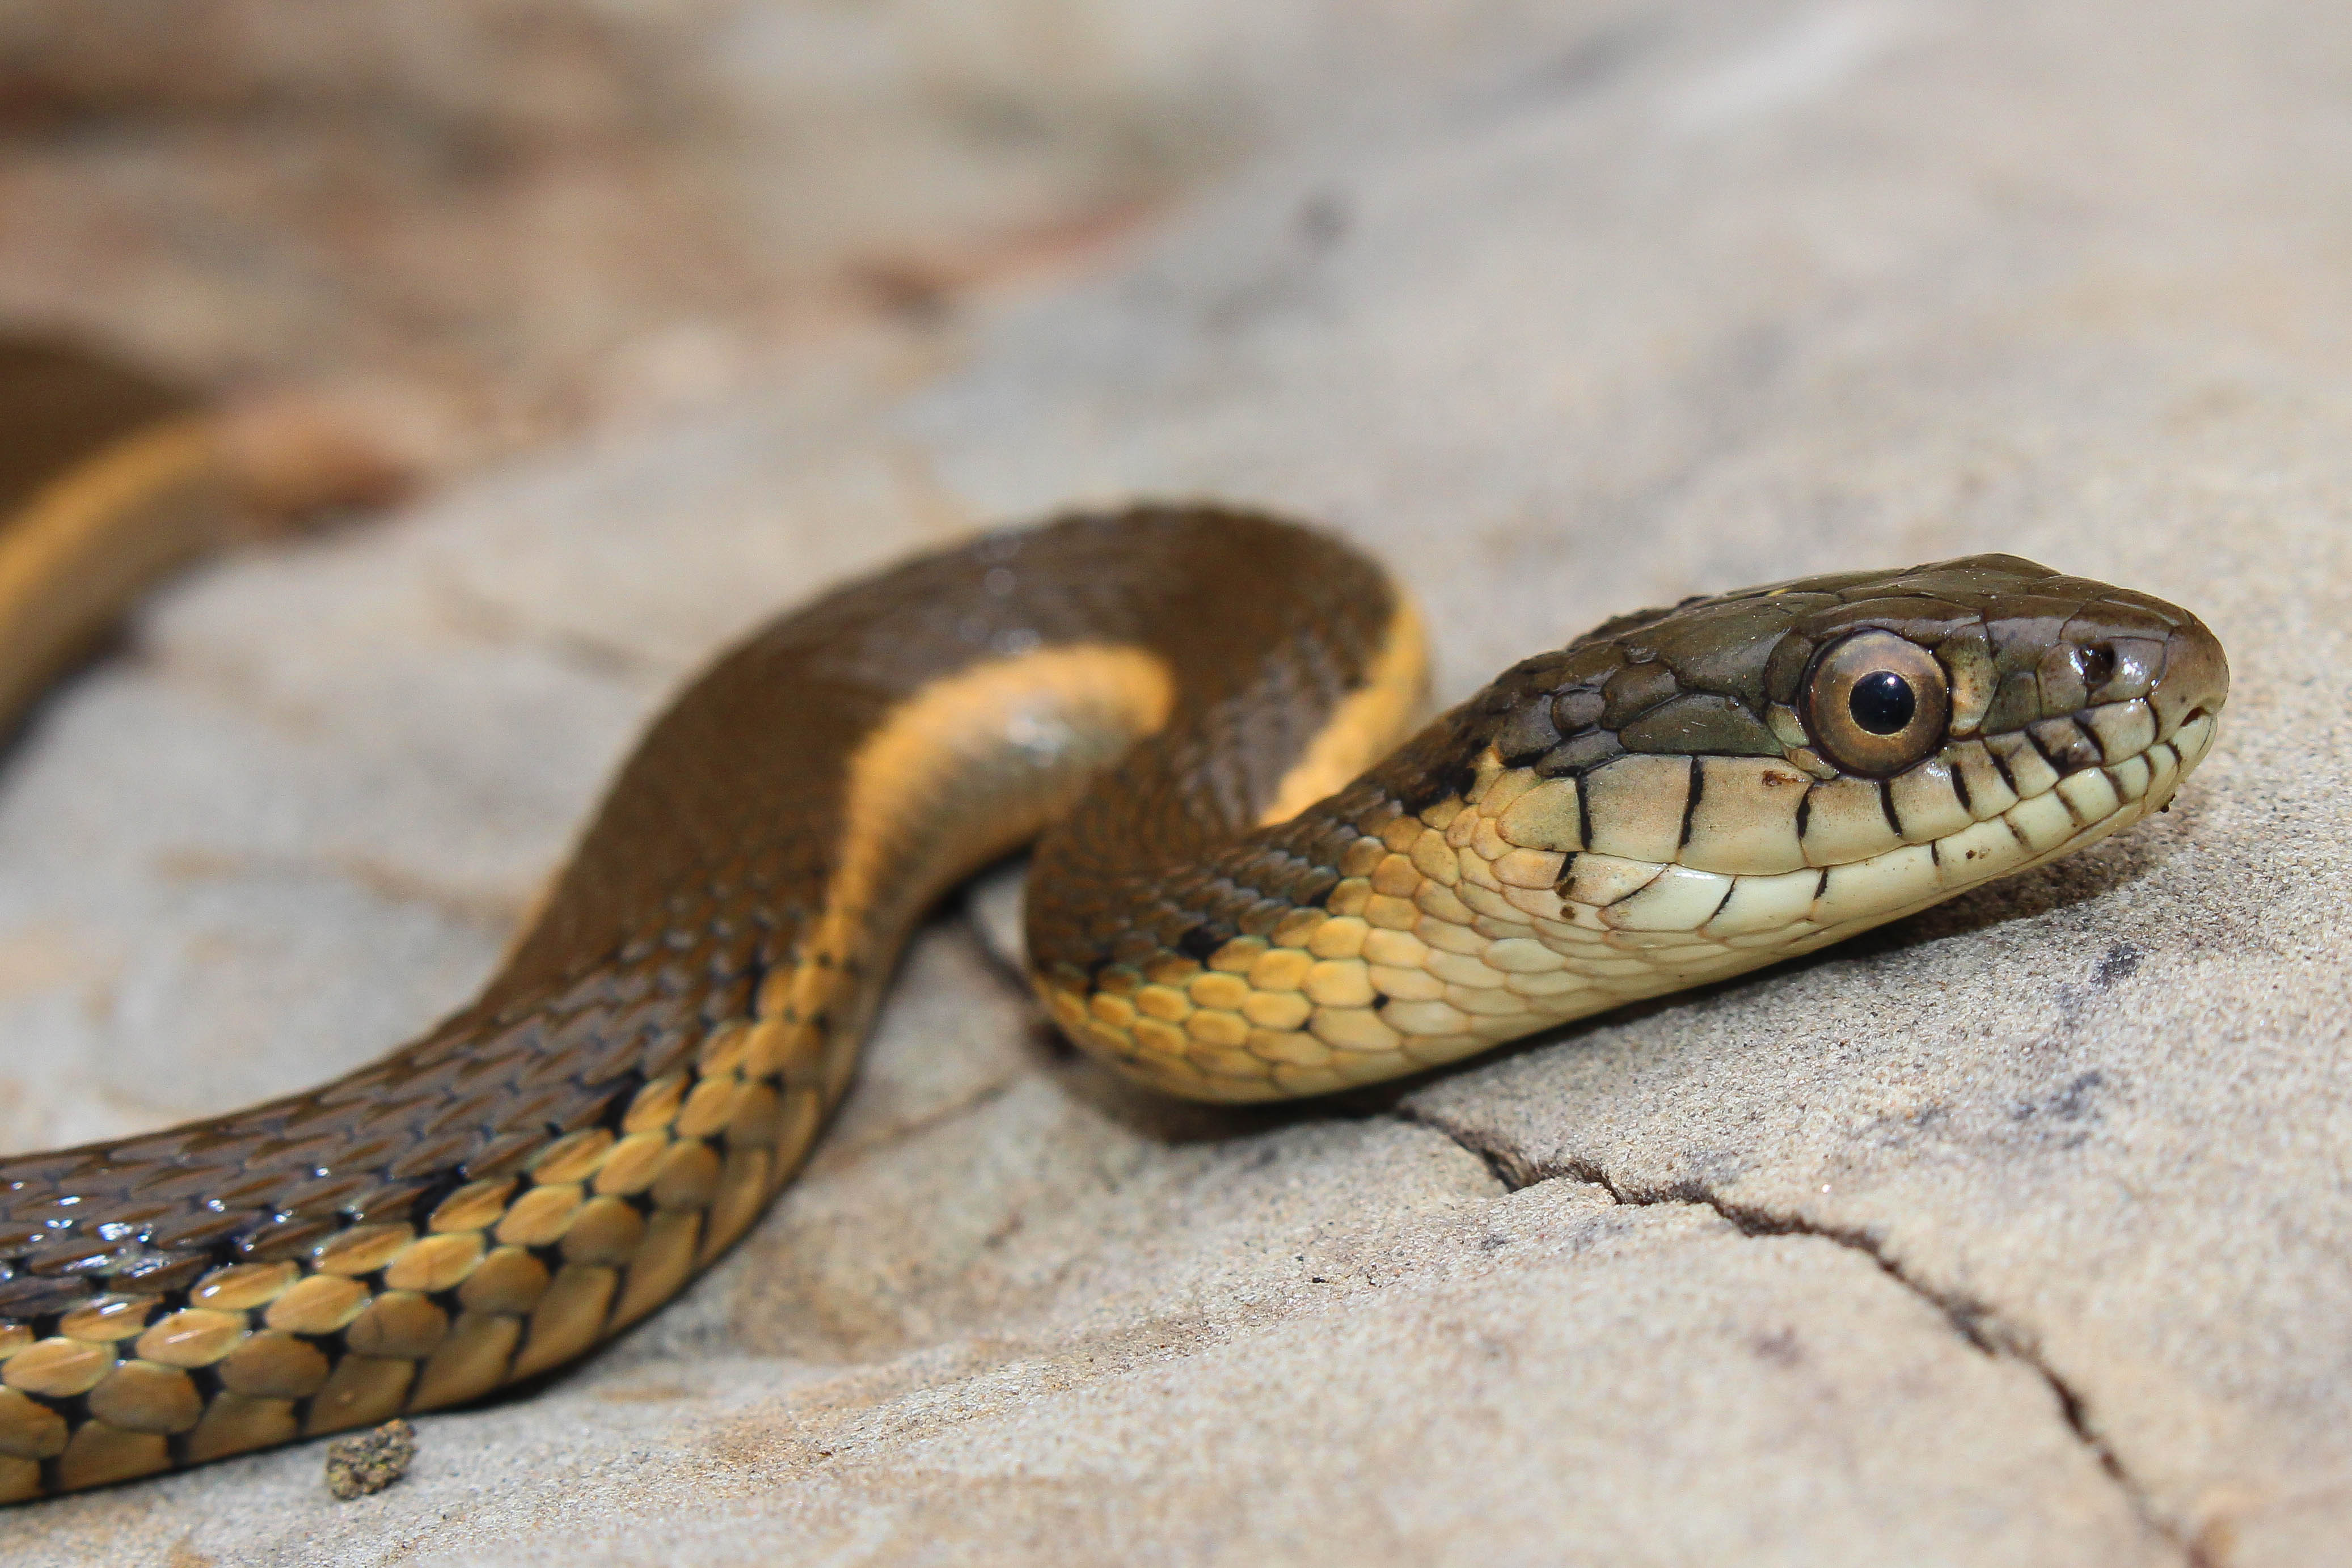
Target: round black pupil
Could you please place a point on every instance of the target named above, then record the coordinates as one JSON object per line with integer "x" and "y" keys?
{"x": 1882, "y": 701}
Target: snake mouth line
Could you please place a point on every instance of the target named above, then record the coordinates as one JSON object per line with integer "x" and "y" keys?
{"x": 1757, "y": 845}
{"x": 1874, "y": 852}
{"x": 2069, "y": 812}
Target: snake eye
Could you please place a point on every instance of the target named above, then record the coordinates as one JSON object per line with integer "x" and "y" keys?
{"x": 1876, "y": 702}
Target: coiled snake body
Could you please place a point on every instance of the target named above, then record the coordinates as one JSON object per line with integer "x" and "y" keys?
{"x": 1242, "y": 893}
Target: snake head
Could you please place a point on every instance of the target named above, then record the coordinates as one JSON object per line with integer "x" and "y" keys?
{"x": 1792, "y": 763}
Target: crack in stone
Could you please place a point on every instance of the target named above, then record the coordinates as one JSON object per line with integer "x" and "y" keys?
{"x": 834, "y": 1154}
{"x": 1976, "y": 1321}
{"x": 471, "y": 613}
{"x": 381, "y": 879}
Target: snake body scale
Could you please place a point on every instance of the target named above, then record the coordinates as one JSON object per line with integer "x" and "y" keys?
{"x": 1241, "y": 893}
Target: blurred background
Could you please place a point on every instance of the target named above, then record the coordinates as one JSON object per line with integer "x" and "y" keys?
{"x": 473, "y": 224}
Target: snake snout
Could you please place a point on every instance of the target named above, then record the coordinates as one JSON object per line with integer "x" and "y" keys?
{"x": 2195, "y": 682}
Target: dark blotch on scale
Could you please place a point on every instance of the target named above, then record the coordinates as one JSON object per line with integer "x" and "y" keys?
{"x": 1201, "y": 942}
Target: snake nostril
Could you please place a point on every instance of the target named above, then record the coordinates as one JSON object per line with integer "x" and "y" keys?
{"x": 2099, "y": 665}
{"x": 2196, "y": 678}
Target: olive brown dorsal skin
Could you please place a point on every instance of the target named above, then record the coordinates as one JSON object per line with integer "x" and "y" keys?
{"x": 1184, "y": 696}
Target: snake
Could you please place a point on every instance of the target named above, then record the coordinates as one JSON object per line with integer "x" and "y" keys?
{"x": 1258, "y": 873}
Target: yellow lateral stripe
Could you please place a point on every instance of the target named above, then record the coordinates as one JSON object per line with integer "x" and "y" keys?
{"x": 76, "y": 553}
{"x": 1367, "y": 723}
{"x": 1073, "y": 707}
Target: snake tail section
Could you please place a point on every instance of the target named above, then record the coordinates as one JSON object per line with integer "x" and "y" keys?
{"x": 662, "y": 1048}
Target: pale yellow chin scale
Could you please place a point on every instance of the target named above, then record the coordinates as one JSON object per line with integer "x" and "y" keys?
{"x": 1489, "y": 916}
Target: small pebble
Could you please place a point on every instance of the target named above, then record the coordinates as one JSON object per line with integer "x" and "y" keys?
{"x": 370, "y": 1461}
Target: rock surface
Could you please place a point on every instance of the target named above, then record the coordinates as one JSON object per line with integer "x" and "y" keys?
{"x": 469, "y": 226}
{"x": 2017, "y": 1233}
